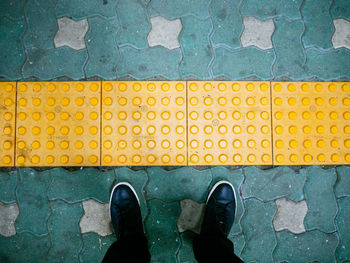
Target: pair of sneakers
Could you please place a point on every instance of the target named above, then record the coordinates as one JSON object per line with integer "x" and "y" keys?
{"x": 126, "y": 217}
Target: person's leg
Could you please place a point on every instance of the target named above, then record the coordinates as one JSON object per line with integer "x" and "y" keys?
{"x": 127, "y": 223}
{"x": 212, "y": 245}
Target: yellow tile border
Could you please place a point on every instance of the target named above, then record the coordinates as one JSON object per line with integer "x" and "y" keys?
{"x": 79, "y": 123}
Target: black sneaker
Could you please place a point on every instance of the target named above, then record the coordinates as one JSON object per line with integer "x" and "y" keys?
{"x": 124, "y": 209}
{"x": 220, "y": 210}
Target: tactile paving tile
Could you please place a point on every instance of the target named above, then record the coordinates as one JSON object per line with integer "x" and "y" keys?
{"x": 229, "y": 123}
{"x": 311, "y": 122}
{"x": 58, "y": 124}
{"x": 7, "y": 122}
{"x": 144, "y": 123}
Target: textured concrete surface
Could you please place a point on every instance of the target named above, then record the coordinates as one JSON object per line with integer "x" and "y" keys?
{"x": 71, "y": 33}
{"x": 257, "y": 33}
{"x": 290, "y": 215}
{"x": 96, "y": 218}
{"x": 164, "y": 32}
{"x": 63, "y": 215}
{"x": 341, "y": 37}
{"x": 8, "y": 216}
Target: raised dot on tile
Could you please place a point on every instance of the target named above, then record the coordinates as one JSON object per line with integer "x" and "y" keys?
{"x": 151, "y": 130}
{"x": 237, "y": 158}
{"x": 165, "y": 144}
{"x": 136, "y": 130}
{"x": 107, "y": 144}
{"x": 165, "y": 158}
{"x": 151, "y": 158}
{"x": 50, "y": 159}
{"x": 236, "y": 144}
{"x": 122, "y": 158}
{"x": 78, "y": 159}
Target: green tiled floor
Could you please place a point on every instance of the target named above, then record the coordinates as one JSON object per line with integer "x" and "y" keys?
{"x": 50, "y": 205}
{"x": 50, "y": 202}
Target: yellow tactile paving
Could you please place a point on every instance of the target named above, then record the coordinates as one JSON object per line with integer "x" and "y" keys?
{"x": 7, "y": 122}
{"x": 229, "y": 123}
{"x": 311, "y": 122}
{"x": 58, "y": 124}
{"x": 174, "y": 123}
{"x": 144, "y": 123}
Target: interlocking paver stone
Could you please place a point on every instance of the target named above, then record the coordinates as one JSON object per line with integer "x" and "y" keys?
{"x": 328, "y": 65}
{"x": 163, "y": 239}
{"x": 11, "y": 48}
{"x": 81, "y": 185}
{"x": 290, "y": 215}
{"x": 342, "y": 186}
{"x": 290, "y": 57}
{"x": 164, "y": 32}
{"x": 96, "y": 218}
{"x": 320, "y": 199}
{"x": 318, "y": 23}
{"x": 95, "y": 247}
{"x": 311, "y": 246}
{"x": 12, "y": 8}
{"x": 63, "y": 226}
{"x": 235, "y": 177}
{"x": 138, "y": 180}
{"x": 102, "y": 62}
{"x": 258, "y": 231}
{"x": 343, "y": 227}
{"x": 273, "y": 8}
{"x": 71, "y": 33}
{"x": 340, "y": 9}
{"x": 8, "y": 216}
{"x": 8, "y": 182}
{"x": 243, "y": 63}
{"x": 175, "y": 9}
{"x": 32, "y": 201}
{"x": 257, "y": 33}
{"x": 41, "y": 24}
{"x": 197, "y": 52}
{"x": 47, "y": 64}
{"x": 78, "y": 9}
{"x": 267, "y": 185}
{"x": 134, "y": 24}
{"x": 178, "y": 184}
{"x": 341, "y": 37}
{"x": 227, "y": 22}
{"x": 24, "y": 247}
{"x": 149, "y": 63}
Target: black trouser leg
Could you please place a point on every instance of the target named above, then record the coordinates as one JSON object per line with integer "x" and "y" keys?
{"x": 128, "y": 250}
{"x": 216, "y": 249}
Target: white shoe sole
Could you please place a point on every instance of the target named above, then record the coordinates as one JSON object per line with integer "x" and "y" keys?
{"x": 121, "y": 183}
{"x": 219, "y": 183}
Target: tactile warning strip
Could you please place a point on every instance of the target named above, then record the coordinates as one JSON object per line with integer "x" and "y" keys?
{"x": 311, "y": 122}
{"x": 7, "y": 122}
{"x": 58, "y": 124}
{"x": 145, "y": 123}
{"x": 229, "y": 123}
